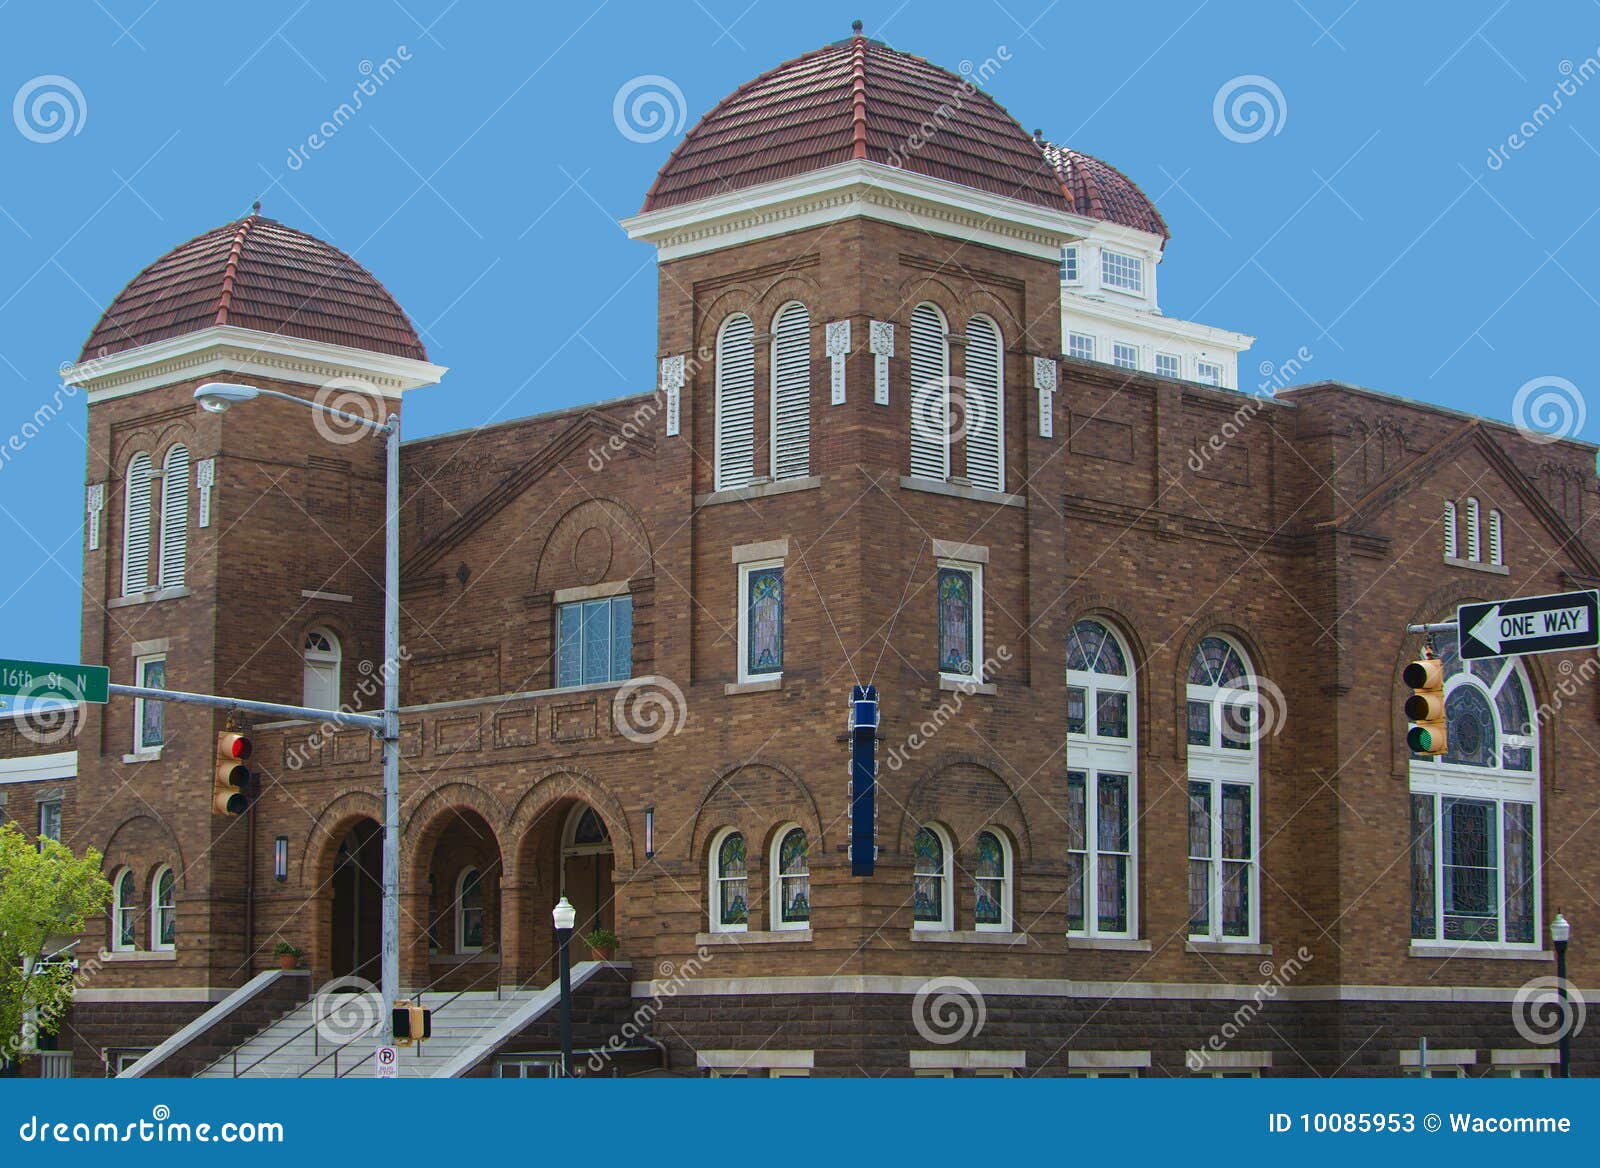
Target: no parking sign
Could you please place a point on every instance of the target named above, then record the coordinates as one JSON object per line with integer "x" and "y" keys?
{"x": 386, "y": 1063}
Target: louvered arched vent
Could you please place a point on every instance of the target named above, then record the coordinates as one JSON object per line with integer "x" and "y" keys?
{"x": 930, "y": 375}
{"x": 174, "y": 518}
{"x": 791, "y": 392}
{"x": 136, "y": 526}
{"x": 985, "y": 395}
{"x": 735, "y": 405}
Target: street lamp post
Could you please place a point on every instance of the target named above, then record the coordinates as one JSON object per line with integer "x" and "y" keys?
{"x": 565, "y": 916}
{"x": 1560, "y": 932}
{"x": 218, "y": 397}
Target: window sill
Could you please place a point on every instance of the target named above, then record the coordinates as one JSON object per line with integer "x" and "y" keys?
{"x": 968, "y": 937}
{"x": 1229, "y": 948}
{"x": 148, "y": 597}
{"x": 1110, "y": 944}
{"x": 753, "y": 937}
{"x": 758, "y": 491}
{"x": 1442, "y": 950}
{"x": 765, "y": 685}
{"x": 1478, "y": 566}
{"x": 142, "y": 756}
{"x": 141, "y": 955}
{"x": 956, "y": 491}
{"x": 483, "y": 957}
{"x": 966, "y": 685}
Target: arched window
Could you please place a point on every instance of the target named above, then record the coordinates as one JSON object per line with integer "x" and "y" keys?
{"x": 1474, "y": 549}
{"x": 1449, "y": 529}
{"x": 1475, "y": 813}
{"x": 124, "y": 911}
{"x": 930, "y": 394}
{"x": 730, "y": 884}
{"x": 791, "y": 879}
{"x": 174, "y": 518}
{"x": 991, "y": 882}
{"x": 791, "y": 392}
{"x": 1101, "y": 763}
{"x": 322, "y": 656}
{"x": 469, "y": 911}
{"x": 984, "y": 422}
{"x": 735, "y": 437}
{"x": 163, "y": 910}
{"x": 1224, "y": 774}
{"x": 930, "y": 887}
{"x": 136, "y": 526}
{"x": 1496, "y": 552}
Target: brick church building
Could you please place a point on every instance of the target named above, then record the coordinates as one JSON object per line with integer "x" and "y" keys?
{"x": 1144, "y": 804}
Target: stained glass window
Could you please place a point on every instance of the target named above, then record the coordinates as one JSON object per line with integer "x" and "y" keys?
{"x": 1092, "y": 649}
{"x": 152, "y": 714}
{"x": 1113, "y": 852}
{"x": 165, "y": 910}
{"x": 1100, "y": 758}
{"x": 764, "y": 621}
{"x": 732, "y": 883}
{"x": 956, "y": 621}
{"x": 989, "y": 881}
{"x": 126, "y": 910}
{"x": 1519, "y": 872}
{"x": 594, "y": 641}
{"x": 1199, "y": 858}
{"x": 1077, "y": 848}
{"x": 469, "y": 907}
{"x": 1223, "y": 738}
{"x": 1423, "y": 919}
{"x": 590, "y": 829}
{"x": 928, "y": 882}
{"x": 794, "y": 879}
{"x": 1469, "y": 865}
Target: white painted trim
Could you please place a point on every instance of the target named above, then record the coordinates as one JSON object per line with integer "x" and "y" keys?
{"x": 163, "y": 995}
{"x": 948, "y": 549}
{"x": 1522, "y": 1057}
{"x": 956, "y": 491}
{"x": 590, "y": 592}
{"x": 968, "y": 1060}
{"x": 768, "y": 549}
{"x": 758, "y": 491}
{"x": 1108, "y": 1060}
{"x": 1236, "y": 1059}
{"x": 200, "y": 1025}
{"x": 757, "y": 937}
{"x": 1411, "y": 1057}
{"x": 754, "y": 1060}
{"x": 40, "y": 768}
{"x": 1480, "y": 950}
{"x": 230, "y": 348}
{"x": 858, "y": 188}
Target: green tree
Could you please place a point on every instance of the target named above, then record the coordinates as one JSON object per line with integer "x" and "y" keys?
{"x": 46, "y": 894}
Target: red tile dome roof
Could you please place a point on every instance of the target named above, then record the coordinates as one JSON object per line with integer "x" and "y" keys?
{"x": 1101, "y": 191}
{"x": 856, "y": 99}
{"x": 255, "y": 273}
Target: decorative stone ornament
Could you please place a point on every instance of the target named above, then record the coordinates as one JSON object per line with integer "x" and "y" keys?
{"x": 672, "y": 387}
{"x": 881, "y": 341}
{"x": 1044, "y": 380}
{"x": 96, "y": 504}
{"x": 838, "y": 341}
{"x": 205, "y": 477}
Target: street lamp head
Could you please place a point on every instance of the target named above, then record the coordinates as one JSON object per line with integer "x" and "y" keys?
{"x": 1560, "y": 930}
{"x": 564, "y": 915}
{"x": 218, "y": 397}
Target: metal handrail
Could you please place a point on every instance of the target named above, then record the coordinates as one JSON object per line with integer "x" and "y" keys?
{"x": 498, "y": 970}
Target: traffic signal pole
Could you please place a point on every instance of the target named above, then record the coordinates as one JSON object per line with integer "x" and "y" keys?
{"x": 390, "y": 731}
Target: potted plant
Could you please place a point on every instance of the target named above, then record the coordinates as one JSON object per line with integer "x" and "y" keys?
{"x": 288, "y": 956}
{"x": 603, "y": 943}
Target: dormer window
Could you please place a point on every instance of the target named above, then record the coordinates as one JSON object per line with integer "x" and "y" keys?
{"x": 1069, "y": 264}
{"x": 1122, "y": 271}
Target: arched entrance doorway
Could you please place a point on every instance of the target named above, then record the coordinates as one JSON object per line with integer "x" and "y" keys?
{"x": 354, "y": 941}
{"x": 586, "y": 866}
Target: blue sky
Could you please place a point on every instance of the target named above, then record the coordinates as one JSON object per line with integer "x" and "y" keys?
{"x": 483, "y": 180}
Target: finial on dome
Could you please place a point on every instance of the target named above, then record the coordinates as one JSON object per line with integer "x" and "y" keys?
{"x": 856, "y": 27}
{"x": 255, "y": 207}
{"x": 1038, "y": 136}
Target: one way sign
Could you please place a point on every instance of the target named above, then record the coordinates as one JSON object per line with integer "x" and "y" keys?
{"x": 1530, "y": 624}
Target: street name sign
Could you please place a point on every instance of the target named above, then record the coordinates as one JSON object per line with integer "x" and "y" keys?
{"x": 45, "y": 683}
{"x": 1529, "y": 624}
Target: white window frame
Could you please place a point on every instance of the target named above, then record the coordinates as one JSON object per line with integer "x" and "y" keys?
{"x": 976, "y": 570}
{"x": 1070, "y": 266}
{"x": 716, "y": 881}
{"x": 462, "y": 948}
{"x": 1008, "y": 879}
{"x": 1221, "y": 766}
{"x": 1117, "y": 350}
{"x": 49, "y": 809}
{"x": 1497, "y": 555}
{"x": 1497, "y": 785}
{"x": 1208, "y": 372}
{"x": 775, "y": 893}
{"x": 775, "y": 455}
{"x": 1122, "y": 271}
{"x": 1092, "y": 754}
{"x": 140, "y": 664}
{"x": 1177, "y": 364}
{"x": 745, "y": 569}
{"x": 1519, "y": 1063}
{"x": 1450, "y": 529}
{"x": 121, "y": 908}
{"x": 611, "y": 602}
{"x": 158, "y": 911}
{"x": 1084, "y": 341}
{"x": 946, "y": 921}
{"x": 326, "y": 664}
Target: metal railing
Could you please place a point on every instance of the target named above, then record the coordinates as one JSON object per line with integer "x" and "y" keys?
{"x": 498, "y": 972}
{"x": 55, "y": 1064}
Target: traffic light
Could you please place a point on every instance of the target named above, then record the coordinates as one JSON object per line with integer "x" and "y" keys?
{"x": 1425, "y": 706}
{"x": 411, "y": 1023}
{"x": 232, "y": 777}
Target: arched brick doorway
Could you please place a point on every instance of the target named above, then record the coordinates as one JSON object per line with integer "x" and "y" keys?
{"x": 586, "y": 866}
{"x": 356, "y": 920}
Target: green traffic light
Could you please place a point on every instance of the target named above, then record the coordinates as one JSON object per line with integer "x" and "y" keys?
{"x": 1419, "y": 740}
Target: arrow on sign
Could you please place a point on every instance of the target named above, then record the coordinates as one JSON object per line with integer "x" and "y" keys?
{"x": 1488, "y": 629}
{"x": 1529, "y": 624}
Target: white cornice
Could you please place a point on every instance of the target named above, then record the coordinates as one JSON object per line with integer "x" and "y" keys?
{"x": 40, "y": 767}
{"x": 232, "y": 349}
{"x": 1073, "y": 304}
{"x": 858, "y": 189}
